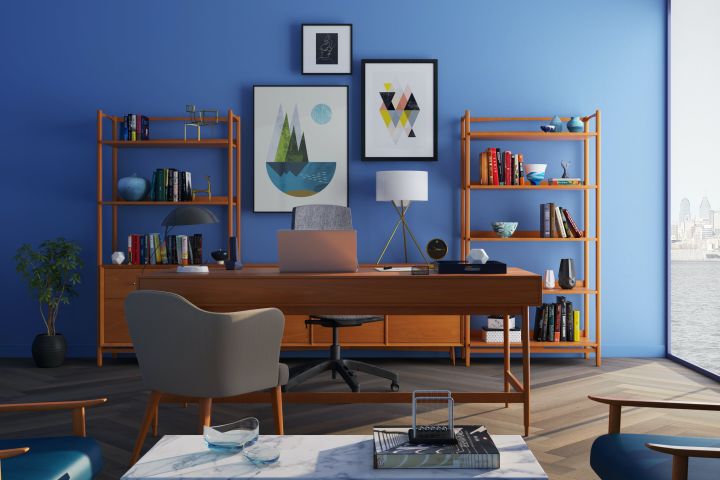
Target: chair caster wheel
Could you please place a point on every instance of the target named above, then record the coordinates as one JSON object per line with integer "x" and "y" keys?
{"x": 394, "y": 387}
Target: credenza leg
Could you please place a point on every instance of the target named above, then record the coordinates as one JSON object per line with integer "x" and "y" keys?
{"x": 506, "y": 354}
{"x": 526, "y": 368}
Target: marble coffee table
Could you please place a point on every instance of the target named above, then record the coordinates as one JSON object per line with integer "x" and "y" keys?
{"x": 316, "y": 457}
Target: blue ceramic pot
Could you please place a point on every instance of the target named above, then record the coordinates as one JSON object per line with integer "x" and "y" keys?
{"x": 557, "y": 123}
{"x": 133, "y": 188}
{"x": 575, "y": 125}
{"x": 504, "y": 229}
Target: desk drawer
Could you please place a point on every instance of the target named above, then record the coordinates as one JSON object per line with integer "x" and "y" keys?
{"x": 120, "y": 282}
{"x": 424, "y": 329}
{"x": 296, "y": 332}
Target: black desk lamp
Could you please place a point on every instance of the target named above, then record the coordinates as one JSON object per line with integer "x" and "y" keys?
{"x": 189, "y": 215}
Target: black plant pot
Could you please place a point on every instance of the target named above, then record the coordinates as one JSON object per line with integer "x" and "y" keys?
{"x": 49, "y": 350}
{"x": 566, "y": 278}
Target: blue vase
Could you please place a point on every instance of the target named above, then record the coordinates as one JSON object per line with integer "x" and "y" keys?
{"x": 557, "y": 123}
{"x": 133, "y": 188}
{"x": 575, "y": 125}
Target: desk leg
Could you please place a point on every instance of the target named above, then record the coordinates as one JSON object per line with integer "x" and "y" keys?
{"x": 506, "y": 354}
{"x": 466, "y": 350}
{"x": 526, "y": 368}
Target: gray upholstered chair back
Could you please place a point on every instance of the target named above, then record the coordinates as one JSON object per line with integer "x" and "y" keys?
{"x": 184, "y": 350}
{"x": 321, "y": 217}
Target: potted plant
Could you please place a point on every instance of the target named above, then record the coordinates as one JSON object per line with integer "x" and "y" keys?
{"x": 52, "y": 275}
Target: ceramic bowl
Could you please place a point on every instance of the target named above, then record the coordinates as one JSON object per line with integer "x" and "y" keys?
{"x": 504, "y": 229}
{"x": 535, "y": 172}
{"x": 547, "y": 128}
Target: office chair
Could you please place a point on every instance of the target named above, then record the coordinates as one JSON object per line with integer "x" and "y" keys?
{"x": 333, "y": 217}
{"x": 189, "y": 353}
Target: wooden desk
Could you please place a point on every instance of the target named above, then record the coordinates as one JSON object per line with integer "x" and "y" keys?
{"x": 371, "y": 292}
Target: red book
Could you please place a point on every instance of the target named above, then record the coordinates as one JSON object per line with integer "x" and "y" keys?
{"x": 508, "y": 168}
{"x": 557, "y": 323}
{"x": 136, "y": 249}
{"x": 573, "y": 226}
{"x": 496, "y": 177}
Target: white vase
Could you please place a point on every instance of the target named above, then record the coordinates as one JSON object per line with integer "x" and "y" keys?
{"x": 549, "y": 279}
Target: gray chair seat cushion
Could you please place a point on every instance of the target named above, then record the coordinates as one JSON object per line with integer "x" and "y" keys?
{"x": 283, "y": 374}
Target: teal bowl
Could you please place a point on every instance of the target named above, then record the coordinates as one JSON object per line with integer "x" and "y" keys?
{"x": 504, "y": 229}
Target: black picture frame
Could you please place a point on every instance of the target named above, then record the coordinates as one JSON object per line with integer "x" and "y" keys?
{"x": 347, "y": 136}
{"x": 434, "y": 155}
{"x": 302, "y": 48}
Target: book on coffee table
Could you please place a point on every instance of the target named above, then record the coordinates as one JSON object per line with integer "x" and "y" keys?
{"x": 474, "y": 449}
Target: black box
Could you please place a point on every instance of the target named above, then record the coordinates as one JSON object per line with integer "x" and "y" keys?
{"x": 490, "y": 267}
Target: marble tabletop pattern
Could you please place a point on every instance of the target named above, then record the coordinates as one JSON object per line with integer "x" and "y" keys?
{"x": 316, "y": 457}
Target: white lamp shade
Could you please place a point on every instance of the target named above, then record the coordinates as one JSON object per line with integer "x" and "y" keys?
{"x": 401, "y": 185}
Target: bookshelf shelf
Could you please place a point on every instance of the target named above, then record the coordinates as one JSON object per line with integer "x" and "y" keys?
{"x": 590, "y": 341}
{"x": 115, "y": 282}
{"x": 522, "y": 236}
{"x": 171, "y": 143}
{"x": 542, "y": 186}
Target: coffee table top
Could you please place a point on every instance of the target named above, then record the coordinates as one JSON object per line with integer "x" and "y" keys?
{"x": 320, "y": 457}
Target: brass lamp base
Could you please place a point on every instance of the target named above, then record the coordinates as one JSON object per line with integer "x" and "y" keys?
{"x": 401, "y": 211}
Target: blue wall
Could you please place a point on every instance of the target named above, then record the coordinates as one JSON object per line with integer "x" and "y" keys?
{"x": 63, "y": 60}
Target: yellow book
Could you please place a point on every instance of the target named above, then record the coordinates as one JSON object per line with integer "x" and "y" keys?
{"x": 483, "y": 168}
{"x": 576, "y": 325}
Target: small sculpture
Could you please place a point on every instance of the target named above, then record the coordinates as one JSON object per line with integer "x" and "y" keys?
{"x": 207, "y": 191}
{"x": 434, "y": 433}
{"x": 565, "y": 164}
{"x": 199, "y": 119}
{"x": 477, "y": 255}
{"x": 118, "y": 258}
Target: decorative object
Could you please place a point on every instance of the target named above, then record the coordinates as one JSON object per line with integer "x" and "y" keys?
{"x": 549, "y": 279}
{"x": 504, "y": 229}
{"x": 233, "y": 263}
{"x": 432, "y": 432}
{"x": 557, "y": 123}
{"x": 565, "y": 164}
{"x": 401, "y": 187}
{"x": 219, "y": 256}
{"x": 575, "y": 125}
{"x": 133, "y": 188}
{"x": 200, "y": 119}
{"x": 301, "y": 146}
{"x": 477, "y": 255}
{"x": 52, "y": 273}
{"x": 207, "y": 191}
{"x": 118, "y": 258}
{"x": 436, "y": 249}
{"x": 497, "y": 322}
{"x": 233, "y": 436}
{"x": 326, "y": 49}
{"x": 566, "y": 277}
{"x": 188, "y": 215}
{"x": 547, "y": 128}
{"x": 399, "y": 109}
{"x": 535, "y": 172}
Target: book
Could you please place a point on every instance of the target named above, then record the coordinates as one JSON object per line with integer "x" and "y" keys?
{"x": 538, "y": 323}
{"x": 516, "y": 170}
{"x": 553, "y": 221}
{"x": 576, "y": 326}
{"x": 494, "y": 163}
{"x": 559, "y": 227}
{"x": 566, "y": 225}
{"x": 521, "y": 169}
{"x": 483, "y": 168}
{"x": 545, "y": 231}
{"x": 497, "y": 335}
{"x": 565, "y": 181}
{"x": 572, "y": 225}
{"x": 562, "y": 306}
{"x": 474, "y": 449}
{"x": 550, "y": 332}
{"x": 558, "y": 320}
{"x": 144, "y": 128}
{"x": 570, "y": 325}
{"x": 507, "y": 163}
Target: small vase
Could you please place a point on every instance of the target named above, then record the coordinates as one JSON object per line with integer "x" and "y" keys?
{"x": 575, "y": 125}
{"x": 48, "y": 351}
{"x": 549, "y": 279}
{"x": 557, "y": 123}
{"x": 566, "y": 277}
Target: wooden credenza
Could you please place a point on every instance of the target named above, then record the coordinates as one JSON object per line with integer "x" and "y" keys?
{"x": 396, "y": 332}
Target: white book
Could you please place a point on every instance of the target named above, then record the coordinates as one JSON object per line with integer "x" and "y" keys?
{"x": 559, "y": 222}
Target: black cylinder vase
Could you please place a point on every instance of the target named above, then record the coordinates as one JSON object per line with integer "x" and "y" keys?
{"x": 566, "y": 277}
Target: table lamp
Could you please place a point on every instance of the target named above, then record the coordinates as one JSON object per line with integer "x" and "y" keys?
{"x": 401, "y": 187}
{"x": 189, "y": 215}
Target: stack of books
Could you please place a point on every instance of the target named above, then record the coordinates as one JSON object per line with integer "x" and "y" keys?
{"x": 170, "y": 185}
{"x": 557, "y": 322}
{"x": 556, "y": 222}
{"x": 148, "y": 249}
{"x": 565, "y": 181}
{"x": 135, "y": 127}
{"x": 501, "y": 168}
{"x": 474, "y": 449}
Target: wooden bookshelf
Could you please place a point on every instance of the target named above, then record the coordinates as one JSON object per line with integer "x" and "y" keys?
{"x": 116, "y": 281}
{"x": 590, "y": 341}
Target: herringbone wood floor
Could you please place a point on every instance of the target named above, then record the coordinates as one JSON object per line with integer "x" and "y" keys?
{"x": 564, "y": 421}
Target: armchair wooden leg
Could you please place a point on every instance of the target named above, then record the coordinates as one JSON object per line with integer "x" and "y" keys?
{"x": 152, "y": 404}
{"x": 614, "y": 419}
{"x": 205, "y": 413}
{"x": 79, "y": 422}
{"x": 156, "y": 420}
{"x": 679, "y": 467}
{"x": 276, "y": 395}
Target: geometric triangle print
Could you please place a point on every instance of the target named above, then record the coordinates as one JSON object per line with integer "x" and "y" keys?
{"x": 387, "y": 99}
{"x": 412, "y": 103}
{"x": 412, "y": 133}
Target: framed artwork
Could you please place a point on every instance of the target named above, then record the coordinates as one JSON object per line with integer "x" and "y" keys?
{"x": 327, "y": 49}
{"x": 399, "y": 109}
{"x": 300, "y": 146}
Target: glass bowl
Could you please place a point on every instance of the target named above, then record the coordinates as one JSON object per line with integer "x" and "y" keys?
{"x": 233, "y": 436}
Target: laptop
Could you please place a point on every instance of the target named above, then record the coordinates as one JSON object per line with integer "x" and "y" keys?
{"x": 328, "y": 251}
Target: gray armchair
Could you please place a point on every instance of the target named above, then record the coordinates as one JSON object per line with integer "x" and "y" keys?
{"x": 188, "y": 353}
